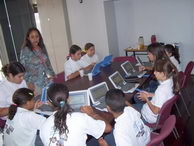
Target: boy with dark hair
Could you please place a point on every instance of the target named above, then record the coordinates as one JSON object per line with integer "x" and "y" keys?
{"x": 129, "y": 129}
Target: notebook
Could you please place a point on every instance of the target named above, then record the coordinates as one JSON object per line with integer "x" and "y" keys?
{"x": 78, "y": 98}
{"x": 106, "y": 61}
{"x": 95, "y": 70}
{"x": 130, "y": 71}
{"x": 119, "y": 83}
{"x": 97, "y": 94}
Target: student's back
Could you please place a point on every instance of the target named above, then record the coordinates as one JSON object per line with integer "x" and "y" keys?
{"x": 130, "y": 129}
{"x": 79, "y": 125}
{"x": 21, "y": 131}
{"x": 22, "y": 123}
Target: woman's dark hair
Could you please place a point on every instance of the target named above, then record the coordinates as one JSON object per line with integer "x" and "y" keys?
{"x": 157, "y": 50}
{"x": 174, "y": 51}
{"x": 115, "y": 99}
{"x": 58, "y": 94}
{"x": 20, "y": 98}
{"x": 28, "y": 44}
{"x": 14, "y": 68}
{"x": 74, "y": 49}
{"x": 169, "y": 70}
{"x": 88, "y": 46}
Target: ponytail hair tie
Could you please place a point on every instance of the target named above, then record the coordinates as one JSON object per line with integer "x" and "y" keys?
{"x": 62, "y": 103}
{"x": 15, "y": 104}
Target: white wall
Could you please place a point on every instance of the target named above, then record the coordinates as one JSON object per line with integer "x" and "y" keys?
{"x": 170, "y": 20}
{"x": 111, "y": 27}
{"x": 87, "y": 24}
{"x": 55, "y": 35}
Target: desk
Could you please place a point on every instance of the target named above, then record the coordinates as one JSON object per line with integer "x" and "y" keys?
{"x": 82, "y": 83}
{"x": 140, "y": 51}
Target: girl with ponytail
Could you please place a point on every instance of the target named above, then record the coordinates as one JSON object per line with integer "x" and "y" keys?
{"x": 167, "y": 75}
{"x": 14, "y": 74}
{"x": 22, "y": 123}
{"x": 65, "y": 127}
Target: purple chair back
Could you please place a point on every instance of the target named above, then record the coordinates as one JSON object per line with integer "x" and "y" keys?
{"x": 181, "y": 79}
{"x": 169, "y": 124}
{"x": 60, "y": 78}
{"x": 187, "y": 73}
{"x": 125, "y": 58}
{"x": 2, "y": 123}
{"x": 166, "y": 110}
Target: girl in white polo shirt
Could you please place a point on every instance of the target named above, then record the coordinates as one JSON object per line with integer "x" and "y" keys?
{"x": 22, "y": 123}
{"x": 74, "y": 66}
{"x": 14, "y": 73}
{"x": 166, "y": 73}
{"x": 65, "y": 127}
{"x": 173, "y": 55}
{"x": 90, "y": 58}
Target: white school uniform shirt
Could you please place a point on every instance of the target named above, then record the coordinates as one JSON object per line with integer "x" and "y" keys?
{"x": 21, "y": 130}
{"x": 79, "y": 125}
{"x": 89, "y": 60}
{"x": 130, "y": 130}
{"x": 72, "y": 66}
{"x": 7, "y": 89}
{"x": 163, "y": 93}
{"x": 176, "y": 63}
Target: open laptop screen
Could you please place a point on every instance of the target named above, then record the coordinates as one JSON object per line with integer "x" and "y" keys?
{"x": 117, "y": 79}
{"x": 127, "y": 67}
{"x": 98, "y": 91}
{"x": 78, "y": 98}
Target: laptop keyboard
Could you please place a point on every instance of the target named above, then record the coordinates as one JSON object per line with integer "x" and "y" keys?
{"x": 101, "y": 103}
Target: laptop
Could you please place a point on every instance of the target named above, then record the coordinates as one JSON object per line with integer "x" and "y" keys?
{"x": 78, "y": 98}
{"x": 119, "y": 83}
{"x": 140, "y": 62}
{"x": 95, "y": 70}
{"x": 130, "y": 71}
{"x": 106, "y": 61}
{"x": 97, "y": 94}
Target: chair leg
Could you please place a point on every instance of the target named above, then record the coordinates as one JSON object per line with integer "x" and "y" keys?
{"x": 177, "y": 134}
{"x": 178, "y": 110}
{"x": 174, "y": 133}
{"x": 182, "y": 98}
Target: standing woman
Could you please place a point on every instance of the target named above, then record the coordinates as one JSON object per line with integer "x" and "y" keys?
{"x": 14, "y": 73}
{"x": 35, "y": 59}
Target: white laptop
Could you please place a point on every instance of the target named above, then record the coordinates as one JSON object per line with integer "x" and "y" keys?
{"x": 140, "y": 62}
{"x": 97, "y": 94}
{"x": 119, "y": 83}
{"x": 130, "y": 71}
{"x": 78, "y": 98}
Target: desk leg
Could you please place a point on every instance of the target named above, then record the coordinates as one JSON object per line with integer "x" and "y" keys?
{"x": 134, "y": 53}
{"x": 126, "y": 53}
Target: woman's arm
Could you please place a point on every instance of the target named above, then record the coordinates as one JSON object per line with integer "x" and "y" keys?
{"x": 4, "y": 111}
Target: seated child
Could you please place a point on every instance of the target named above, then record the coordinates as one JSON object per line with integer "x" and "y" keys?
{"x": 74, "y": 66}
{"x": 166, "y": 73}
{"x": 22, "y": 123}
{"x": 173, "y": 54}
{"x": 14, "y": 73}
{"x": 65, "y": 127}
{"x": 90, "y": 57}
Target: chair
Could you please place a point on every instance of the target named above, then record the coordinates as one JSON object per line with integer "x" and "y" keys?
{"x": 182, "y": 84}
{"x": 60, "y": 78}
{"x": 131, "y": 59}
{"x": 168, "y": 126}
{"x": 164, "y": 114}
{"x": 2, "y": 124}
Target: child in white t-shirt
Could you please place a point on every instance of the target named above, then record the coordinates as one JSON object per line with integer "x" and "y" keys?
{"x": 22, "y": 123}
{"x": 65, "y": 127}
{"x": 74, "y": 65}
{"x": 90, "y": 58}
{"x": 166, "y": 73}
{"x": 173, "y": 55}
{"x": 129, "y": 129}
{"x": 14, "y": 73}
